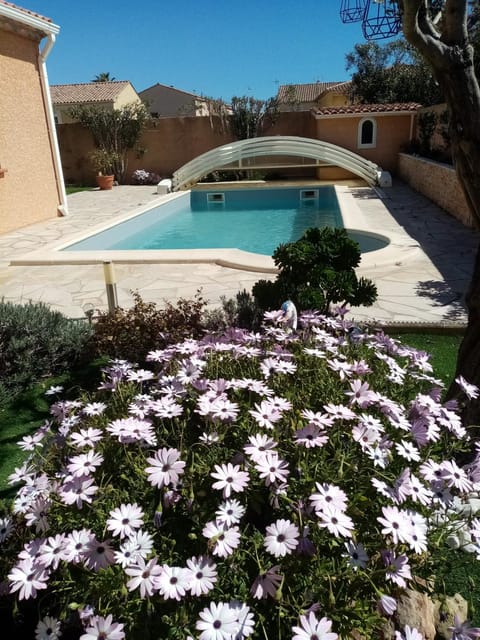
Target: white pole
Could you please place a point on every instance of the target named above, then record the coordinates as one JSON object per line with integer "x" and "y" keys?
{"x": 111, "y": 285}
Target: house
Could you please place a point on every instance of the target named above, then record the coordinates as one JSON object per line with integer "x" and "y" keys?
{"x": 303, "y": 97}
{"x": 378, "y": 132}
{"x": 109, "y": 95}
{"x": 31, "y": 178}
{"x": 167, "y": 102}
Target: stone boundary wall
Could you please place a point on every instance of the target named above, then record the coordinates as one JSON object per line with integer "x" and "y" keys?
{"x": 436, "y": 181}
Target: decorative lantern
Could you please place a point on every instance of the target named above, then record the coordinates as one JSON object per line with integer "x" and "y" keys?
{"x": 352, "y": 10}
{"x": 381, "y": 19}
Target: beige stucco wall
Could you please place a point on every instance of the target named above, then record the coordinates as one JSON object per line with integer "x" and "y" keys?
{"x": 28, "y": 191}
{"x": 436, "y": 181}
{"x": 167, "y": 102}
{"x": 127, "y": 95}
{"x": 293, "y": 123}
{"x": 331, "y": 99}
{"x": 393, "y": 133}
{"x": 169, "y": 143}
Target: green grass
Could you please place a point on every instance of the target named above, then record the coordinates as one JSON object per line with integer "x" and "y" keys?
{"x": 27, "y": 412}
{"x": 457, "y": 572}
{"x": 442, "y": 348}
{"x": 22, "y": 417}
{"x": 74, "y": 189}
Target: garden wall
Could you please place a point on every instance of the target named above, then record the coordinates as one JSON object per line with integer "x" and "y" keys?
{"x": 436, "y": 181}
{"x": 166, "y": 145}
{"x": 169, "y": 143}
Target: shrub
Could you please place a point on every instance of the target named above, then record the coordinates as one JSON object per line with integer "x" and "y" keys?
{"x": 36, "y": 342}
{"x": 426, "y": 128}
{"x": 132, "y": 333}
{"x": 249, "y": 479}
{"x": 115, "y": 130}
{"x": 241, "y": 311}
{"x": 315, "y": 271}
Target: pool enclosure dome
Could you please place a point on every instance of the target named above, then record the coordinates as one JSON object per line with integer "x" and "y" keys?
{"x": 276, "y": 152}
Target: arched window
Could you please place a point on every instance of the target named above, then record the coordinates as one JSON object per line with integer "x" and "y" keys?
{"x": 367, "y": 133}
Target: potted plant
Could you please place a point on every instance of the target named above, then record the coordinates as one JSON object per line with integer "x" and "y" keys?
{"x": 104, "y": 161}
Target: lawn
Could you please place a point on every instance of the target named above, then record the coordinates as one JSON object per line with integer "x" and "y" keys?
{"x": 74, "y": 189}
{"x": 25, "y": 414}
{"x": 443, "y": 350}
{"x": 19, "y": 419}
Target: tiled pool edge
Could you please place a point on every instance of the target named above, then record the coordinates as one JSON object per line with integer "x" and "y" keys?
{"x": 425, "y": 283}
{"x": 52, "y": 254}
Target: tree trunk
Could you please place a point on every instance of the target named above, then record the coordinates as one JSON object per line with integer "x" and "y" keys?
{"x": 468, "y": 359}
{"x": 461, "y": 93}
{"x": 450, "y": 55}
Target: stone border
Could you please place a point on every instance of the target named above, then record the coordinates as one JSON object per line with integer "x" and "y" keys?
{"x": 353, "y": 219}
{"x": 438, "y": 182}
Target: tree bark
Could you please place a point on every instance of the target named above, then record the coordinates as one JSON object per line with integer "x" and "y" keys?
{"x": 451, "y": 57}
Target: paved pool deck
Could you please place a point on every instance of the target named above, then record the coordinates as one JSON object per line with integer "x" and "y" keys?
{"x": 422, "y": 278}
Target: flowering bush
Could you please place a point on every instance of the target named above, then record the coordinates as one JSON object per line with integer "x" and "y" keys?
{"x": 141, "y": 176}
{"x": 274, "y": 485}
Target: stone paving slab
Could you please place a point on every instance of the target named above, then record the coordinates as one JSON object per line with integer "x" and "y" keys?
{"x": 422, "y": 281}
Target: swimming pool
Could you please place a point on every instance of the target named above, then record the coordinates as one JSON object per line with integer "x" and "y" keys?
{"x": 253, "y": 220}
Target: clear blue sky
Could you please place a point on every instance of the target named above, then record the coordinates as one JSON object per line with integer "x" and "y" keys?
{"x": 216, "y": 48}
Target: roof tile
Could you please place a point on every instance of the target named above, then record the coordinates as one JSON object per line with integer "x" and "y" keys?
{"x": 26, "y": 11}
{"x": 368, "y": 108}
{"x": 87, "y": 91}
{"x": 305, "y": 92}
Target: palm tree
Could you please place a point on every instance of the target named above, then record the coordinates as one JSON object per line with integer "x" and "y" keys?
{"x": 103, "y": 77}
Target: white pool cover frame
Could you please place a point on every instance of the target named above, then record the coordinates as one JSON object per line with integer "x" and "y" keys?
{"x": 235, "y": 155}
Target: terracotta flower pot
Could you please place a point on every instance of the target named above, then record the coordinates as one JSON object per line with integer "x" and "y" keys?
{"x": 105, "y": 182}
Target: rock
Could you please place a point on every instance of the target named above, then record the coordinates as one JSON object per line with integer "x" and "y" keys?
{"x": 417, "y": 610}
{"x": 445, "y": 610}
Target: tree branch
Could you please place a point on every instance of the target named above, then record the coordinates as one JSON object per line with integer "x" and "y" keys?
{"x": 420, "y": 32}
{"x": 454, "y": 31}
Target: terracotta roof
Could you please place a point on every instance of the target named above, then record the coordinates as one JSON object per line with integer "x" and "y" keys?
{"x": 305, "y": 92}
{"x": 26, "y": 11}
{"x": 87, "y": 92}
{"x": 340, "y": 88}
{"x": 368, "y": 108}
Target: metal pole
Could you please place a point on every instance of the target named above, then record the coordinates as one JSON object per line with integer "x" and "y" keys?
{"x": 111, "y": 285}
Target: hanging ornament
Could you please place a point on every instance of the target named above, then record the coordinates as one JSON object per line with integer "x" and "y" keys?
{"x": 352, "y": 10}
{"x": 381, "y": 19}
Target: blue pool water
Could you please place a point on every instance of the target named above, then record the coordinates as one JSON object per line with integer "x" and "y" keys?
{"x": 255, "y": 220}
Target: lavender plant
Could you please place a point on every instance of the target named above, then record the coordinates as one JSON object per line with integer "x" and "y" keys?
{"x": 271, "y": 485}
